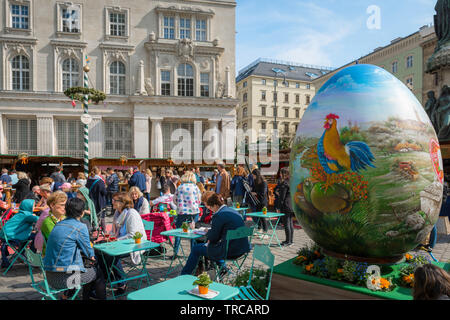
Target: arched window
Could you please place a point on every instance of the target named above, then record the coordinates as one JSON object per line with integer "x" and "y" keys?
{"x": 20, "y": 67}
{"x": 70, "y": 73}
{"x": 117, "y": 78}
{"x": 185, "y": 80}
{"x": 244, "y": 112}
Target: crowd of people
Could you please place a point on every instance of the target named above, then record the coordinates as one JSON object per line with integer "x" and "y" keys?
{"x": 58, "y": 216}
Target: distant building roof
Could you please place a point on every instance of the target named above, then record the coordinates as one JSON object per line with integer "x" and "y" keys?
{"x": 292, "y": 70}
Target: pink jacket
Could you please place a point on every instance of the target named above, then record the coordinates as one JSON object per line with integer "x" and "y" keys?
{"x": 162, "y": 223}
{"x": 39, "y": 239}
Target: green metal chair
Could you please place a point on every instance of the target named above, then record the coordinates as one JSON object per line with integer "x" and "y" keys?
{"x": 35, "y": 260}
{"x": 150, "y": 226}
{"x": 263, "y": 254}
{"x": 18, "y": 251}
{"x": 233, "y": 266}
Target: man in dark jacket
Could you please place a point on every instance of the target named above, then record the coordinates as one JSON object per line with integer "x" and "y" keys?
{"x": 112, "y": 181}
{"x": 224, "y": 219}
{"x": 138, "y": 180}
{"x": 283, "y": 204}
{"x": 97, "y": 192}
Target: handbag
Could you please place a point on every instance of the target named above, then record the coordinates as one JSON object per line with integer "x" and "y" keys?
{"x": 158, "y": 185}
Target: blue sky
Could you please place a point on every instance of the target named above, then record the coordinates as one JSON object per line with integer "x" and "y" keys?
{"x": 322, "y": 32}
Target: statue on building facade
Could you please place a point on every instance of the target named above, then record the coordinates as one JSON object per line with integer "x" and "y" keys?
{"x": 149, "y": 87}
{"x": 430, "y": 109}
{"x": 443, "y": 113}
{"x": 442, "y": 23}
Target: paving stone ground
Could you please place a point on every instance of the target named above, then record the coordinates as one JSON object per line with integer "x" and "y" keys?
{"x": 16, "y": 285}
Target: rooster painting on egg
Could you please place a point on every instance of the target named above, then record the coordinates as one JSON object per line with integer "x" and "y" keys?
{"x": 363, "y": 167}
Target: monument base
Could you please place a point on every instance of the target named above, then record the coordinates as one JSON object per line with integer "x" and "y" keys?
{"x": 388, "y": 260}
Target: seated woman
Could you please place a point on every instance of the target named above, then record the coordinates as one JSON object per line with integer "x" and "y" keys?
{"x": 18, "y": 229}
{"x": 166, "y": 199}
{"x": 48, "y": 218}
{"x": 57, "y": 203}
{"x": 140, "y": 204}
{"x": 431, "y": 283}
{"x": 67, "y": 241}
{"x": 90, "y": 214}
{"x": 126, "y": 223}
{"x": 224, "y": 219}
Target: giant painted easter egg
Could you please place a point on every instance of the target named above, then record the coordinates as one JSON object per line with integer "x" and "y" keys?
{"x": 366, "y": 168}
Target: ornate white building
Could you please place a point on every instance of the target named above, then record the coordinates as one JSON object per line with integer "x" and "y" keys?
{"x": 163, "y": 65}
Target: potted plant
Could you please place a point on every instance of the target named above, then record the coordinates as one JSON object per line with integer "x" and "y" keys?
{"x": 173, "y": 212}
{"x": 264, "y": 210}
{"x": 137, "y": 237}
{"x": 185, "y": 226}
{"x": 238, "y": 205}
{"x": 203, "y": 281}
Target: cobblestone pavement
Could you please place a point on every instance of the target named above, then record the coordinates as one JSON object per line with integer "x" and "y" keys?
{"x": 16, "y": 285}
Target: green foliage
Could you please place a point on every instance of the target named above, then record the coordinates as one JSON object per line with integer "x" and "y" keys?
{"x": 259, "y": 281}
{"x": 351, "y": 134}
{"x": 307, "y": 254}
{"x": 203, "y": 280}
{"x": 185, "y": 225}
{"x": 137, "y": 235}
{"x": 78, "y": 93}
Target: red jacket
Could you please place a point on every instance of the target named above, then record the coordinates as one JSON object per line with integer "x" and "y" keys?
{"x": 162, "y": 223}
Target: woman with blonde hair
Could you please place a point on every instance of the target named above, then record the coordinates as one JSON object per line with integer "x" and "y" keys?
{"x": 187, "y": 199}
{"x": 140, "y": 204}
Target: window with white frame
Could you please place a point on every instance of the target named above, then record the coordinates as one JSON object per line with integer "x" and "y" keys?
{"x": 263, "y": 95}
{"x": 20, "y": 68}
{"x": 165, "y": 83}
{"x": 200, "y": 30}
{"x": 70, "y": 73}
{"x": 409, "y": 62}
{"x": 286, "y": 128}
{"x": 185, "y": 28}
{"x": 69, "y": 136}
{"x": 394, "y": 67}
{"x": 297, "y": 113}
{"x": 117, "y": 78}
{"x": 118, "y": 138}
{"x": 308, "y": 86}
{"x": 169, "y": 27}
{"x": 245, "y": 97}
{"x": 297, "y": 85}
{"x": 244, "y": 84}
{"x": 286, "y": 113}
{"x": 297, "y": 98}
{"x": 308, "y": 99}
{"x": 20, "y": 16}
{"x": 263, "y": 82}
{"x": 70, "y": 19}
{"x": 263, "y": 125}
{"x": 409, "y": 83}
{"x": 185, "y": 80}
{"x": 204, "y": 84}
{"x": 21, "y": 135}
{"x": 117, "y": 24}
{"x": 263, "y": 111}
{"x": 286, "y": 97}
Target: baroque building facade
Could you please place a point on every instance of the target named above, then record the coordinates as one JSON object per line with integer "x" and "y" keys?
{"x": 164, "y": 65}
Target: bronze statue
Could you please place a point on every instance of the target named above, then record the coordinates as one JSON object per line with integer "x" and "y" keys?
{"x": 443, "y": 114}
{"x": 430, "y": 109}
{"x": 442, "y": 22}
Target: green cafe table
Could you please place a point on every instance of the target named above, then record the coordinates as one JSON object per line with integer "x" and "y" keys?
{"x": 118, "y": 248}
{"x": 183, "y": 235}
{"x": 177, "y": 289}
{"x": 269, "y": 216}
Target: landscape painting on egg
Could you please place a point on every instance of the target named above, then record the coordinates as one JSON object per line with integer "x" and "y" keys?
{"x": 366, "y": 166}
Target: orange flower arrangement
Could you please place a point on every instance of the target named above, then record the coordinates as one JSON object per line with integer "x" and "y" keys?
{"x": 340, "y": 270}
{"x": 408, "y": 257}
{"x": 385, "y": 283}
{"x": 309, "y": 267}
{"x": 409, "y": 279}
{"x": 317, "y": 253}
{"x": 301, "y": 258}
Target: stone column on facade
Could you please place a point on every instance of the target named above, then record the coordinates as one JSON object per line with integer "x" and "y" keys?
{"x": 227, "y": 83}
{"x": 157, "y": 139}
{"x": 141, "y": 137}
{"x": 228, "y": 139}
{"x": 96, "y": 137}
{"x": 213, "y": 136}
{"x": 45, "y": 135}
{"x": 3, "y": 148}
{"x": 140, "y": 85}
